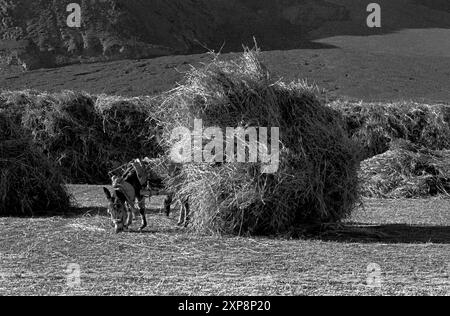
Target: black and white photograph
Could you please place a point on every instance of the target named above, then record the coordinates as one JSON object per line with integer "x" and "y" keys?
{"x": 227, "y": 155}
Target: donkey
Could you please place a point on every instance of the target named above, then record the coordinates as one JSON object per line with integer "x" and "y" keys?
{"x": 140, "y": 180}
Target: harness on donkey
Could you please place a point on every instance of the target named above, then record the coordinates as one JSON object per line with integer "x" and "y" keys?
{"x": 141, "y": 179}
{"x": 149, "y": 172}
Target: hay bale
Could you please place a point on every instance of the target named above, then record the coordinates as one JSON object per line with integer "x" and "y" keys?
{"x": 85, "y": 135}
{"x": 406, "y": 171}
{"x": 375, "y": 125}
{"x": 317, "y": 177}
{"x": 29, "y": 182}
{"x": 67, "y": 128}
{"x": 128, "y": 128}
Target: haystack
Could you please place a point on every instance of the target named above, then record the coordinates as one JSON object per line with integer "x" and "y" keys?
{"x": 316, "y": 181}
{"x": 66, "y": 127}
{"x": 375, "y": 125}
{"x": 85, "y": 135}
{"x": 29, "y": 182}
{"x": 406, "y": 171}
{"x": 127, "y": 127}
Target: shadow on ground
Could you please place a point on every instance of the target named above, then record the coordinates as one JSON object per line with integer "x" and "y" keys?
{"x": 389, "y": 234}
{"x": 345, "y": 233}
{"x": 73, "y": 212}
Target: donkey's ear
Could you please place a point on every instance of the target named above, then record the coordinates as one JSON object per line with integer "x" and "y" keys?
{"x": 107, "y": 193}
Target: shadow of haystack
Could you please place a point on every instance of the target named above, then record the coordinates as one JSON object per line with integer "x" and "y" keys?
{"x": 388, "y": 233}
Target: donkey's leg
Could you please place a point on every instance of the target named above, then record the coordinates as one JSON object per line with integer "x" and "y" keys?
{"x": 168, "y": 203}
{"x": 129, "y": 221}
{"x": 183, "y": 212}
{"x": 141, "y": 204}
{"x": 187, "y": 215}
{"x": 134, "y": 212}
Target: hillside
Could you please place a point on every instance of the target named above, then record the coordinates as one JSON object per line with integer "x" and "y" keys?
{"x": 343, "y": 72}
{"x": 34, "y": 33}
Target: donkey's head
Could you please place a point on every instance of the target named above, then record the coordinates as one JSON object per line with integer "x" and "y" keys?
{"x": 116, "y": 209}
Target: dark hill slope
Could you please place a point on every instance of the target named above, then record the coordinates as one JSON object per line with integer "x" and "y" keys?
{"x": 34, "y": 33}
{"x": 117, "y": 29}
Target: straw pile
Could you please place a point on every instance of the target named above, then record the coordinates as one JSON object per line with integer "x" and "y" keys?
{"x": 85, "y": 135}
{"x": 317, "y": 176}
{"x": 130, "y": 128}
{"x": 375, "y": 125}
{"x": 29, "y": 182}
{"x": 406, "y": 171}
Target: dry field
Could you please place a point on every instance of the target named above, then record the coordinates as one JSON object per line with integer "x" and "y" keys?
{"x": 343, "y": 71}
{"x": 407, "y": 239}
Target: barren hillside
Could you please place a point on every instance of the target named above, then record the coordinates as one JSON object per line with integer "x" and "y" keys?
{"x": 34, "y": 33}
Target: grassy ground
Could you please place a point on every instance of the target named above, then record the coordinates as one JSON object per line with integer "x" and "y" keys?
{"x": 407, "y": 240}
